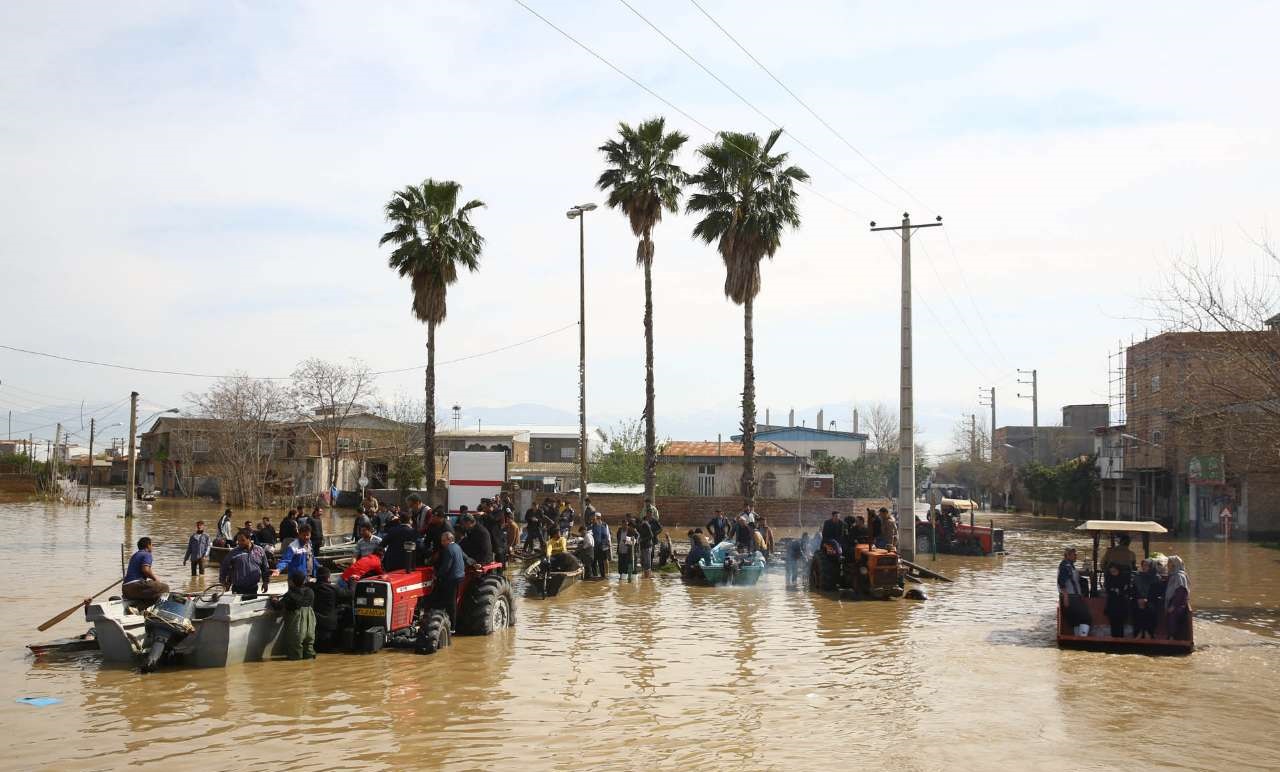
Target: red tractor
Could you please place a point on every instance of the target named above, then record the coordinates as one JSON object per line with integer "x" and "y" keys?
{"x": 393, "y": 608}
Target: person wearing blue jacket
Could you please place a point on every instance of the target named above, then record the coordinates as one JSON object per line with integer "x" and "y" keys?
{"x": 450, "y": 567}
{"x": 297, "y": 555}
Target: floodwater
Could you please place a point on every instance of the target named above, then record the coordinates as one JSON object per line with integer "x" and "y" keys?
{"x": 655, "y": 674}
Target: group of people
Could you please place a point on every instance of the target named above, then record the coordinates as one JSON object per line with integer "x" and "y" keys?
{"x": 1138, "y": 595}
{"x": 748, "y": 532}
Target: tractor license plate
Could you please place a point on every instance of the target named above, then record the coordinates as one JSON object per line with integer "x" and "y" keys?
{"x": 370, "y": 612}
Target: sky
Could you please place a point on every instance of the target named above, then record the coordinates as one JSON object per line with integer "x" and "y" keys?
{"x": 198, "y": 187}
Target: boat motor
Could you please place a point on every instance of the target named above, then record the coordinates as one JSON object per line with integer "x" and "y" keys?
{"x": 166, "y": 625}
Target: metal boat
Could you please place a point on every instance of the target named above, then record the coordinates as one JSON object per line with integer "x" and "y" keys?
{"x": 725, "y": 566}
{"x": 228, "y": 629}
{"x": 542, "y": 580}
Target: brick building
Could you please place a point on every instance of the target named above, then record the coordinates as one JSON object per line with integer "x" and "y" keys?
{"x": 1203, "y": 418}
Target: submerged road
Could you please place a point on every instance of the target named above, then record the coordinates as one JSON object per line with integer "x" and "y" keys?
{"x": 623, "y": 676}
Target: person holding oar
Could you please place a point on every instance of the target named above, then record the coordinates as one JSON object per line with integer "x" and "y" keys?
{"x": 140, "y": 582}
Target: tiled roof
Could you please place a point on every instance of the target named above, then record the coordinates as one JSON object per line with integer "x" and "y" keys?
{"x": 712, "y": 449}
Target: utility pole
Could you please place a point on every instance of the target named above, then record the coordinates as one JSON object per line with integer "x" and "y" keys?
{"x": 1035, "y": 411}
{"x": 88, "y": 495}
{"x": 133, "y": 455}
{"x": 53, "y": 460}
{"x": 578, "y": 212}
{"x": 906, "y": 406}
{"x": 989, "y": 394}
{"x": 973, "y": 436}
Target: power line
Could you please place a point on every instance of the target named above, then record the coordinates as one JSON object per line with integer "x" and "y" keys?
{"x": 748, "y": 103}
{"x": 954, "y": 306}
{"x": 969, "y": 290}
{"x": 153, "y": 371}
{"x": 806, "y": 106}
{"x": 664, "y": 100}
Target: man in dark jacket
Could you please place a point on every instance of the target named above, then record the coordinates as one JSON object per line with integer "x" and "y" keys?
{"x": 289, "y": 527}
{"x": 476, "y": 543}
{"x": 437, "y": 526}
{"x": 400, "y": 545}
{"x": 316, "y": 521}
{"x": 833, "y": 528}
{"x": 450, "y": 567}
{"x": 329, "y": 601}
{"x": 533, "y": 531}
{"x": 494, "y": 522}
{"x": 718, "y": 527}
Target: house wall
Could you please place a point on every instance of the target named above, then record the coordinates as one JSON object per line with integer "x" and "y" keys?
{"x": 728, "y": 476}
{"x": 691, "y": 511}
{"x": 550, "y": 449}
{"x": 834, "y": 447}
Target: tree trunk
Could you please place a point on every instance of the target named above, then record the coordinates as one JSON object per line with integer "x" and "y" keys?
{"x": 429, "y": 421}
{"x": 650, "y": 430}
{"x": 748, "y": 407}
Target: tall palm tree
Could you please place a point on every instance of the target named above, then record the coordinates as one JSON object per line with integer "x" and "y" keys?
{"x": 434, "y": 238}
{"x": 643, "y": 179}
{"x": 747, "y": 198}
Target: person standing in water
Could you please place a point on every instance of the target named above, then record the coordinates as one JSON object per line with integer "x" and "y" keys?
{"x": 198, "y": 549}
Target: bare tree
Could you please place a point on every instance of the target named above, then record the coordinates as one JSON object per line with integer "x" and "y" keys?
{"x": 404, "y": 443}
{"x": 882, "y": 425}
{"x": 327, "y": 394}
{"x": 971, "y": 438}
{"x": 245, "y": 415}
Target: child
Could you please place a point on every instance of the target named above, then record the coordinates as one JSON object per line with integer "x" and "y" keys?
{"x": 298, "y": 638}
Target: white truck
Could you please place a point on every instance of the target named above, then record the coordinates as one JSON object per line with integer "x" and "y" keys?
{"x": 475, "y": 475}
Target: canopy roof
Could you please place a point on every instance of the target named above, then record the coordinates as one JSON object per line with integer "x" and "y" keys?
{"x": 1131, "y": 526}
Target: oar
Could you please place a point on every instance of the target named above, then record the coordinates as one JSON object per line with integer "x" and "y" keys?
{"x": 78, "y": 605}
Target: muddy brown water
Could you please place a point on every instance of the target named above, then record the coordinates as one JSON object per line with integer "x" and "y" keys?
{"x": 656, "y": 674}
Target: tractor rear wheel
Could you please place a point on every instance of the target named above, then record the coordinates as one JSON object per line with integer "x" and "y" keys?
{"x": 488, "y": 607}
{"x": 434, "y": 632}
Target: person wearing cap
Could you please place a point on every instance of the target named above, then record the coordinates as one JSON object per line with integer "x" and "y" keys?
{"x": 476, "y": 543}
{"x": 198, "y": 545}
{"x": 140, "y": 582}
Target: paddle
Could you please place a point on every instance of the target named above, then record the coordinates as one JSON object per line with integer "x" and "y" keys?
{"x": 79, "y": 605}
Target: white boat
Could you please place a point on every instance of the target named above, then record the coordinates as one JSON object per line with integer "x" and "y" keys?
{"x": 228, "y": 629}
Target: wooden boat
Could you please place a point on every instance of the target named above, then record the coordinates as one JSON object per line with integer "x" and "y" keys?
{"x": 542, "y": 582}
{"x": 725, "y": 566}
{"x": 1184, "y": 643}
{"x": 84, "y": 642}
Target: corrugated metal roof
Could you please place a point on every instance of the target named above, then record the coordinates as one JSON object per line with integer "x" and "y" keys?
{"x": 711, "y": 449}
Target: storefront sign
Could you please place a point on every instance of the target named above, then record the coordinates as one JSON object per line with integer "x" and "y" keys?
{"x": 1206, "y": 470}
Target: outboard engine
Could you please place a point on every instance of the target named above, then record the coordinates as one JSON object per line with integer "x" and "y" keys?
{"x": 167, "y": 624}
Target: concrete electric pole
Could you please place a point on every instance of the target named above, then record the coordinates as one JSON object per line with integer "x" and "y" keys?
{"x": 1034, "y": 396}
{"x": 88, "y": 495}
{"x": 133, "y": 454}
{"x": 906, "y": 416}
{"x": 989, "y": 394}
{"x": 578, "y": 212}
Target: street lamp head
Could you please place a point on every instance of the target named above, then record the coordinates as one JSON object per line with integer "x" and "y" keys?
{"x": 572, "y": 213}
{"x": 586, "y": 207}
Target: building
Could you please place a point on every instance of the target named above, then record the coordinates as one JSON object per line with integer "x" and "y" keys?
{"x": 174, "y": 457}
{"x": 813, "y": 444}
{"x": 83, "y": 468}
{"x": 1013, "y": 445}
{"x": 1202, "y": 417}
{"x": 714, "y": 468}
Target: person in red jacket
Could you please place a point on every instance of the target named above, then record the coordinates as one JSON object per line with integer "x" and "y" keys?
{"x": 369, "y": 565}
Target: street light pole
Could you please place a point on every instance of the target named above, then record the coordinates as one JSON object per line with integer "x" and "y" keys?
{"x": 577, "y": 212}
{"x": 906, "y": 415}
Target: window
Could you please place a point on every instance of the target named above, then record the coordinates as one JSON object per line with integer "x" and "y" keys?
{"x": 769, "y": 486}
{"x": 706, "y": 479}
{"x": 819, "y": 453}
{"x": 200, "y": 444}
{"x": 569, "y": 453}
{"x": 366, "y": 444}
{"x": 344, "y": 444}
{"x": 1133, "y": 390}
{"x": 1155, "y": 383}
{"x": 1157, "y": 437}
{"x": 266, "y": 445}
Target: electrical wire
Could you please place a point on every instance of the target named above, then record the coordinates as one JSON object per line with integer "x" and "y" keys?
{"x": 806, "y": 106}
{"x": 664, "y": 100}
{"x": 748, "y": 103}
{"x": 153, "y": 371}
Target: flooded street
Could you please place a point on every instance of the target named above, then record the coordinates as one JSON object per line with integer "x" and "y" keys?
{"x": 622, "y": 676}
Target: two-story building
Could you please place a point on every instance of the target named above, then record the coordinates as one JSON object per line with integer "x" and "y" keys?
{"x": 714, "y": 468}
{"x": 813, "y": 444}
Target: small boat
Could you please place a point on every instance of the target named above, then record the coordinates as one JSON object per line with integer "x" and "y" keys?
{"x": 84, "y": 642}
{"x": 1067, "y": 639}
{"x": 725, "y": 566}
{"x": 335, "y": 548}
{"x": 543, "y": 581}
{"x": 225, "y": 629}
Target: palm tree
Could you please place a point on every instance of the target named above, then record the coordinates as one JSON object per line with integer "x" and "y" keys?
{"x": 747, "y": 198}
{"x": 643, "y": 179}
{"x": 434, "y": 237}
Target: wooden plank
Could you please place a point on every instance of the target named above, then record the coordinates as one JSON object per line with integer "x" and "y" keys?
{"x": 924, "y": 571}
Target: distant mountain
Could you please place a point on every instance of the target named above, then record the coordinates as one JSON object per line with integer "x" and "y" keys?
{"x": 517, "y": 415}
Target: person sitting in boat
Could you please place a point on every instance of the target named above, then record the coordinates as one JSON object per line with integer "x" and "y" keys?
{"x": 140, "y": 582}
{"x": 369, "y": 565}
{"x": 1148, "y": 599}
{"x": 298, "y": 555}
{"x": 698, "y": 550}
{"x": 1177, "y": 599}
{"x": 476, "y": 543}
{"x": 744, "y": 536}
{"x": 368, "y": 540}
{"x": 1075, "y": 610}
{"x": 245, "y": 567}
